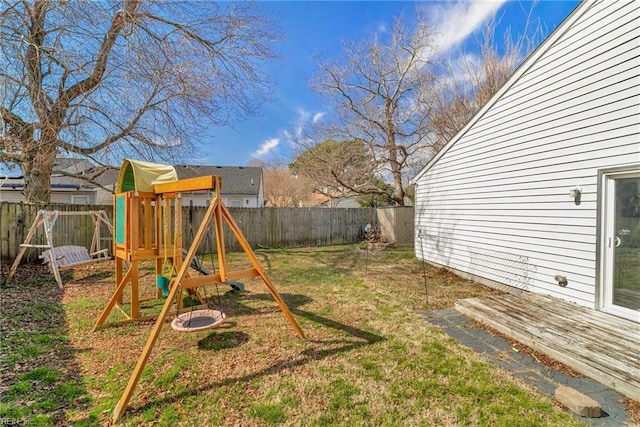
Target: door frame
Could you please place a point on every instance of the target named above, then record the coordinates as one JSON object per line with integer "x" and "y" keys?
{"x": 604, "y": 260}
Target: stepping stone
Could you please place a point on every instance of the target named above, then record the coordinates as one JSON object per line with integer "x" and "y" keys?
{"x": 578, "y": 403}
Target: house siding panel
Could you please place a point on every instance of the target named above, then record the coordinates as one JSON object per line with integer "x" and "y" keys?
{"x": 11, "y": 196}
{"x": 103, "y": 197}
{"x": 67, "y": 196}
{"x": 496, "y": 204}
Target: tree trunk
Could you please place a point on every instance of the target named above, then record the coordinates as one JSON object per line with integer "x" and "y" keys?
{"x": 396, "y": 172}
{"x": 398, "y": 190}
{"x": 396, "y": 168}
{"x": 36, "y": 170}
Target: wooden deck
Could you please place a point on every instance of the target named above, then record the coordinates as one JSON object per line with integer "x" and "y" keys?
{"x": 598, "y": 345}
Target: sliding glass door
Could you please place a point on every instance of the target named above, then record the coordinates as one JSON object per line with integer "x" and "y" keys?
{"x": 620, "y": 279}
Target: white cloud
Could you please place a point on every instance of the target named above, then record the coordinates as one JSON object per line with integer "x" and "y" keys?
{"x": 304, "y": 123}
{"x": 266, "y": 147}
{"x": 455, "y": 21}
{"x": 317, "y": 117}
{"x": 463, "y": 68}
{"x": 303, "y": 115}
{"x": 303, "y": 119}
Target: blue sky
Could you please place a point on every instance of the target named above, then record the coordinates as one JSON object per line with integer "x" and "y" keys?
{"x": 317, "y": 28}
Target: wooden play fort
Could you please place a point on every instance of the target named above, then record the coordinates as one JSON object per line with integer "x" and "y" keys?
{"x": 148, "y": 226}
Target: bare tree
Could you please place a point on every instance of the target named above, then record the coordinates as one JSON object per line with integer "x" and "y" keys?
{"x": 282, "y": 188}
{"x": 376, "y": 94}
{"x": 91, "y": 79}
{"x": 471, "y": 82}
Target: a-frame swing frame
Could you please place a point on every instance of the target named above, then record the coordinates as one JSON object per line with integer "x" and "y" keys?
{"x": 47, "y": 220}
{"x": 219, "y": 214}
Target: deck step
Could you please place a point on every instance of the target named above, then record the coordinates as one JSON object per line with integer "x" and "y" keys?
{"x": 596, "y": 344}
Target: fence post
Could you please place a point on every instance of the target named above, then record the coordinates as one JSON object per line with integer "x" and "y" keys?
{"x": 262, "y": 227}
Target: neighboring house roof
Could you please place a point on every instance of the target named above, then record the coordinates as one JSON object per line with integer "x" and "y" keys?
{"x": 74, "y": 166}
{"x": 235, "y": 179}
{"x": 101, "y": 175}
{"x": 517, "y": 74}
{"x": 107, "y": 176}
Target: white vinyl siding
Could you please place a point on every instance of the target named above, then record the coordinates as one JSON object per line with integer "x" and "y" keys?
{"x": 103, "y": 197}
{"x": 80, "y": 200}
{"x": 234, "y": 202}
{"x": 68, "y": 196}
{"x": 496, "y": 204}
{"x": 11, "y": 196}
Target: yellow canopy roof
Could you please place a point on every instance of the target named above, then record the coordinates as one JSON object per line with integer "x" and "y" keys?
{"x": 141, "y": 176}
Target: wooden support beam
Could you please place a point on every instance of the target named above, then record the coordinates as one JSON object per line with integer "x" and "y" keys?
{"x": 114, "y": 299}
{"x": 222, "y": 254}
{"x": 217, "y": 213}
{"x": 23, "y": 247}
{"x": 135, "y": 289}
{"x": 254, "y": 261}
{"x": 53, "y": 265}
{"x": 153, "y": 337}
{"x": 189, "y": 184}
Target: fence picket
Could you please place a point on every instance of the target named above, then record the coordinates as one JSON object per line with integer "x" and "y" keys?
{"x": 262, "y": 227}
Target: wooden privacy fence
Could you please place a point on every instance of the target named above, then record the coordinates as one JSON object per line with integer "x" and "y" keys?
{"x": 16, "y": 220}
{"x": 262, "y": 227}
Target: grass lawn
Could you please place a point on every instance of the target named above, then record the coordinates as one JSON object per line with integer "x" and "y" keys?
{"x": 369, "y": 357}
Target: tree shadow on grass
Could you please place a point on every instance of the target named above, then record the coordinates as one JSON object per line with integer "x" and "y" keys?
{"x": 41, "y": 379}
{"x": 360, "y": 338}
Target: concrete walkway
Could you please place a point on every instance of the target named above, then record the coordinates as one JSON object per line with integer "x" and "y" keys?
{"x": 524, "y": 367}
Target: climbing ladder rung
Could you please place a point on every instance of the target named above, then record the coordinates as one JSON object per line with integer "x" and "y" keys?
{"x": 25, "y": 245}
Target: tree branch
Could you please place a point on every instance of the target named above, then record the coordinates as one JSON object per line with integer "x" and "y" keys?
{"x": 86, "y": 85}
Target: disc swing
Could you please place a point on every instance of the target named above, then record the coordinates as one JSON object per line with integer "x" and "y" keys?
{"x": 198, "y": 320}
{"x": 206, "y": 318}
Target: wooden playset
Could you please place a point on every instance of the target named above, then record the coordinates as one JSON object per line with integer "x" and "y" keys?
{"x": 148, "y": 226}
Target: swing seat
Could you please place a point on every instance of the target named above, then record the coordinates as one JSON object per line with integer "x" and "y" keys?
{"x": 71, "y": 256}
{"x": 198, "y": 320}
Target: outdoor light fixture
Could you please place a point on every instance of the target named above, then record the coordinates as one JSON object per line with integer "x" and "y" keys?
{"x": 576, "y": 194}
{"x": 562, "y": 280}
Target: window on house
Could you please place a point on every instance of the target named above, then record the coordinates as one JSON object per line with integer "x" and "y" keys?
{"x": 80, "y": 200}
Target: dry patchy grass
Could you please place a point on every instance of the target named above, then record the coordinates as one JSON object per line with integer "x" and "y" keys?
{"x": 369, "y": 358}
